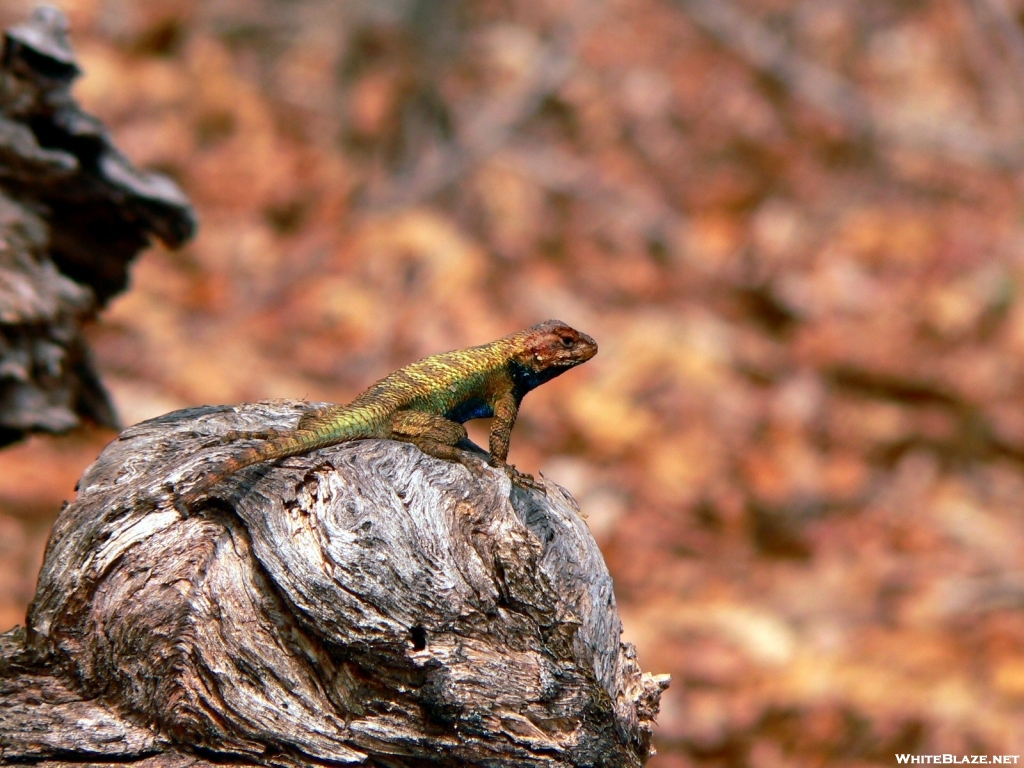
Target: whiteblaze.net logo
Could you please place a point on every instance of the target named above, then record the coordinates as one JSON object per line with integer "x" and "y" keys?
{"x": 957, "y": 759}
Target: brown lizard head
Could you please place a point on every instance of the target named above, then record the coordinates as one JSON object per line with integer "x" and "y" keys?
{"x": 547, "y": 350}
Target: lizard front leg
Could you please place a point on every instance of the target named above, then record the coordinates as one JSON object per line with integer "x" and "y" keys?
{"x": 505, "y": 411}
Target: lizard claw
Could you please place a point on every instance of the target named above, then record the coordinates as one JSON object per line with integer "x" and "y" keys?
{"x": 522, "y": 479}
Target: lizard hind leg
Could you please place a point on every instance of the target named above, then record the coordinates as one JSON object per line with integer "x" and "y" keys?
{"x": 434, "y": 435}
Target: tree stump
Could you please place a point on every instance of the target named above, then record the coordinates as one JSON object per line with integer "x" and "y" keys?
{"x": 362, "y": 604}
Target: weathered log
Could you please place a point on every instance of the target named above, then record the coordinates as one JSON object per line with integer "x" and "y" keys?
{"x": 363, "y": 604}
{"x": 74, "y": 212}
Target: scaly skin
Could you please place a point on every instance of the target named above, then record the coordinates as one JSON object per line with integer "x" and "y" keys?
{"x": 427, "y": 402}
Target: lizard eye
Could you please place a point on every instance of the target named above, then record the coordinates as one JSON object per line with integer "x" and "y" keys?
{"x": 567, "y": 341}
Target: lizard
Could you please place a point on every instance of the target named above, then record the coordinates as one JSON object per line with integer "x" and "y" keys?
{"x": 427, "y": 402}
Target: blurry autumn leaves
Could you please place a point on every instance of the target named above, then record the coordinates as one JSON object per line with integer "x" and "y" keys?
{"x": 794, "y": 228}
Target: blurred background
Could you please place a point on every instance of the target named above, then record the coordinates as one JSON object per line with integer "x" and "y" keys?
{"x": 794, "y": 227}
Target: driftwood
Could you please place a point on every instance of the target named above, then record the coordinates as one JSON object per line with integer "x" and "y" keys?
{"x": 74, "y": 213}
{"x": 364, "y": 604}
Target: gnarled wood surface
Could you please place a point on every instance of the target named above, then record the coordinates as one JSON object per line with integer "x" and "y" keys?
{"x": 362, "y": 604}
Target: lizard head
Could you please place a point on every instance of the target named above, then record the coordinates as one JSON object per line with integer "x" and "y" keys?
{"x": 547, "y": 350}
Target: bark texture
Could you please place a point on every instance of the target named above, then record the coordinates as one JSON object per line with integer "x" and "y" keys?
{"x": 74, "y": 213}
{"x": 364, "y": 604}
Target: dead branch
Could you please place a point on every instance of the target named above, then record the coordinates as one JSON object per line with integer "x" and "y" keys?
{"x": 73, "y": 214}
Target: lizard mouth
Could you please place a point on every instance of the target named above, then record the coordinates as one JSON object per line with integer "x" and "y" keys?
{"x": 587, "y": 349}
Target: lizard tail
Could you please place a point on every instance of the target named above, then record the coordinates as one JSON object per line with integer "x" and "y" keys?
{"x": 315, "y": 431}
{"x": 269, "y": 450}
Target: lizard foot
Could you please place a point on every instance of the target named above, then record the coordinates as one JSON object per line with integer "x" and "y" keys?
{"x": 522, "y": 479}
